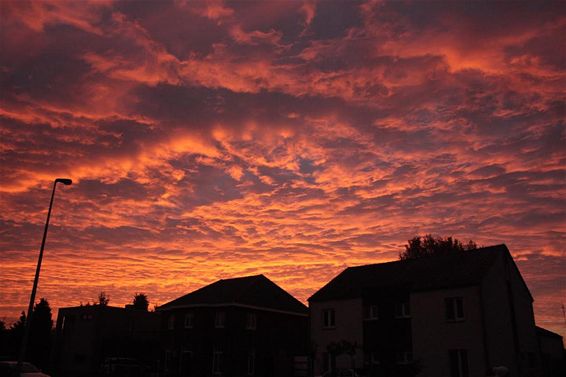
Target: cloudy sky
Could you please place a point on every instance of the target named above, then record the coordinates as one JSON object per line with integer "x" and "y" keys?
{"x": 215, "y": 139}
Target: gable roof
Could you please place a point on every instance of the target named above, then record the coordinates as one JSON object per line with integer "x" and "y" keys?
{"x": 436, "y": 272}
{"x": 253, "y": 291}
{"x": 547, "y": 333}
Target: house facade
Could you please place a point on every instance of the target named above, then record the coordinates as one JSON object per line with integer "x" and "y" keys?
{"x": 456, "y": 316}
{"x": 244, "y": 326}
{"x": 87, "y": 337}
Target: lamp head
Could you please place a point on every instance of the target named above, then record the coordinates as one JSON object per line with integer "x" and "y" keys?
{"x": 65, "y": 181}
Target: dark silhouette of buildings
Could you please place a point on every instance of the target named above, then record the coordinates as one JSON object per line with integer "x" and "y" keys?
{"x": 552, "y": 353}
{"x": 245, "y": 326}
{"x": 88, "y": 336}
{"x": 456, "y": 315}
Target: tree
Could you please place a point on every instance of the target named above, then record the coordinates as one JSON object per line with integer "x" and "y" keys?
{"x": 419, "y": 247}
{"x": 103, "y": 300}
{"x": 39, "y": 345}
{"x": 140, "y": 302}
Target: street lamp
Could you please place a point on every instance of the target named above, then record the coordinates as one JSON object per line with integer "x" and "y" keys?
{"x": 21, "y": 357}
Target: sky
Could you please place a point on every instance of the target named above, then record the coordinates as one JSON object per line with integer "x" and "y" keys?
{"x": 209, "y": 140}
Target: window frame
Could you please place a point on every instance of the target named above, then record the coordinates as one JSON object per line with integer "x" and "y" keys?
{"x": 251, "y": 321}
{"x": 459, "y": 363}
{"x": 454, "y": 309}
{"x": 189, "y": 322}
{"x": 217, "y": 361}
{"x": 403, "y": 358}
{"x": 372, "y": 313}
{"x": 220, "y": 320}
{"x": 251, "y": 363}
{"x": 328, "y": 318}
{"x": 402, "y": 309}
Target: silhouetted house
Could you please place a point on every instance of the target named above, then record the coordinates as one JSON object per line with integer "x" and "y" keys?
{"x": 443, "y": 316}
{"x": 246, "y": 326}
{"x": 552, "y": 353}
{"x": 87, "y": 336}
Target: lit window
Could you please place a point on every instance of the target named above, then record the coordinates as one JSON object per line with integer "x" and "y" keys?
{"x": 171, "y": 322}
{"x": 454, "y": 308}
{"x": 402, "y": 310}
{"x": 251, "y": 363}
{"x": 404, "y": 357}
{"x": 458, "y": 363}
{"x": 220, "y": 320}
{"x": 189, "y": 318}
{"x": 217, "y": 361}
{"x": 328, "y": 318}
{"x": 251, "y": 321}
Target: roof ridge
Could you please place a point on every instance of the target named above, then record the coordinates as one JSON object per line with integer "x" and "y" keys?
{"x": 411, "y": 260}
{"x": 249, "y": 285}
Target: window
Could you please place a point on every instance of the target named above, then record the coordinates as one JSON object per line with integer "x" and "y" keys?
{"x": 372, "y": 312}
{"x": 328, "y": 318}
{"x": 404, "y": 357}
{"x": 189, "y": 318}
{"x": 326, "y": 362}
{"x": 251, "y": 321}
{"x": 171, "y": 322}
{"x": 217, "y": 361}
{"x": 458, "y": 363}
{"x": 186, "y": 363}
{"x": 251, "y": 363}
{"x": 402, "y": 310}
{"x": 220, "y": 320}
{"x": 454, "y": 308}
{"x": 168, "y": 360}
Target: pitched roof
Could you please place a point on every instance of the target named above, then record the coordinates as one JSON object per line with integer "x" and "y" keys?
{"x": 458, "y": 269}
{"x": 257, "y": 291}
{"x": 547, "y": 333}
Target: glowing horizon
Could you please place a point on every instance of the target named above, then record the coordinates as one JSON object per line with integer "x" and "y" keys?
{"x": 215, "y": 139}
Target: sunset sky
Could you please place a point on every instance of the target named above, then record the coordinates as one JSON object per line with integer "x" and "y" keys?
{"x": 209, "y": 140}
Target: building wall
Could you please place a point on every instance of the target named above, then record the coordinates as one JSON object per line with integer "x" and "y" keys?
{"x": 529, "y": 352}
{"x": 509, "y": 321}
{"x": 552, "y": 355}
{"x": 434, "y": 335}
{"x": 277, "y": 338}
{"x": 387, "y": 334}
{"x": 86, "y": 335}
{"x": 349, "y": 327}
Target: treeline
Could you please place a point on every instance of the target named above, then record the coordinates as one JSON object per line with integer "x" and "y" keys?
{"x": 40, "y": 336}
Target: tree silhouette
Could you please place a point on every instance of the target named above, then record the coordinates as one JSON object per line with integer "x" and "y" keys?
{"x": 39, "y": 346}
{"x": 419, "y": 247}
{"x": 140, "y": 302}
{"x": 103, "y": 300}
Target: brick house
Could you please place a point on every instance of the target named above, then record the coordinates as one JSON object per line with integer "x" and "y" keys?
{"x": 245, "y": 326}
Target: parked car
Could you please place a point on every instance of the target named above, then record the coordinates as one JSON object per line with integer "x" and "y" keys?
{"x": 9, "y": 369}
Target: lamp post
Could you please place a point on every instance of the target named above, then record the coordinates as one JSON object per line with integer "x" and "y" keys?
{"x": 23, "y": 346}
